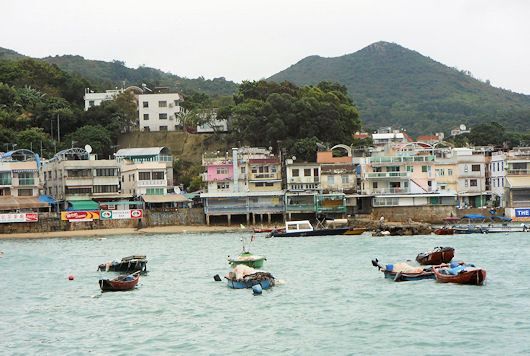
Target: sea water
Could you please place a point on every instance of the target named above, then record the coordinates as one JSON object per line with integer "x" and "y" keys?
{"x": 331, "y": 301}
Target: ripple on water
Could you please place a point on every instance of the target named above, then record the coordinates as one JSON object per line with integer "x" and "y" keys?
{"x": 333, "y": 300}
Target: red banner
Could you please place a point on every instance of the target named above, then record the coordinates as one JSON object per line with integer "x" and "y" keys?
{"x": 79, "y": 215}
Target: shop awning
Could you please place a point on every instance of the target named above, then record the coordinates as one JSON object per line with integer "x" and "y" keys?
{"x": 167, "y": 198}
{"x": 518, "y": 182}
{"x": 12, "y": 203}
{"x": 46, "y": 199}
{"x": 82, "y": 205}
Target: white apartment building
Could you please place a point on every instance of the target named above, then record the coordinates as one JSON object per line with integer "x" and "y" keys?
{"x": 147, "y": 178}
{"x": 95, "y": 99}
{"x": 471, "y": 177}
{"x": 159, "y": 112}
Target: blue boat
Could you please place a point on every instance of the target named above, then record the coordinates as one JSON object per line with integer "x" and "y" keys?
{"x": 243, "y": 283}
{"x": 246, "y": 277}
{"x": 471, "y": 229}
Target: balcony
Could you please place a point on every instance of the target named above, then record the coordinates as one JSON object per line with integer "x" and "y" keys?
{"x": 5, "y": 181}
{"x": 518, "y": 172}
{"x": 26, "y": 181}
{"x": 401, "y": 159}
{"x": 376, "y": 175}
{"x": 391, "y": 191}
{"x": 152, "y": 183}
{"x": 264, "y": 176}
{"x": 301, "y": 207}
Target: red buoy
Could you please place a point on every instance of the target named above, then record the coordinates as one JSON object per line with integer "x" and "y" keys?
{"x": 70, "y": 277}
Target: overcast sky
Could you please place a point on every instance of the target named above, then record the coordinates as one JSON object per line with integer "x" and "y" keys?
{"x": 251, "y": 40}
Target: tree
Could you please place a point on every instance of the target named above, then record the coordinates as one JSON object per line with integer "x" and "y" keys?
{"x": 96, "y": 136}
{"x": 487, "y": 134}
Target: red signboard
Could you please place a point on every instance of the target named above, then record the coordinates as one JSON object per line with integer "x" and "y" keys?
{"x": 79, "y": 215}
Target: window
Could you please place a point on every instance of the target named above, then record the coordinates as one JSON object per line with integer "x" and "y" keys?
{"x": 73, "y": 190}
{"x": 307, "y": 172}
{"x": 449, "y": 171}
{"x": 466, "y": 168}
{"x": 144, "y": 176}
{"x": 158, "y": 175}
{"x": 162, "y": 116}
{"x": 147, "y": 129}
{"x": 223, "y": 185}
{"x": 91, "y": 103}
{"x": 475, "y": 168}
{"x": 466, "y": 183}
{"x": 146, "y": 116}
{"x": 410, "y": 168}
{"x": 425, "y": 168}
{"x": 162, "y": 104}
{"x": 260, "y": 184}
{"x": 163, "y": 128}
{"x": 74, "y": 173}
{"x": 268, "y": 184}
{"x": 296, "y": 172}
{"x": 473, "y": 182}
{"x": 106, "y": 172}
{"x": 440, "y": 172}
{"x": 331, "y": 179}
{"x": 345, "y": 180}
{"x": 176, "y": 103}
{"x": 145, "y": 104}
{"x": 502, "y": 180}
{"x": 223, "y": 170}
{"x": 243, "y": 169}
{"x": 155, "y": 191}
{"x": 315, "y": 172}
{"x": 25, "y": 192}
{"x": 375, "y": 185}
{"x": 105, "y": 188}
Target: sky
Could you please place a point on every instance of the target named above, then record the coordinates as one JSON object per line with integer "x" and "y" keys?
{"x": 252, "y": 40}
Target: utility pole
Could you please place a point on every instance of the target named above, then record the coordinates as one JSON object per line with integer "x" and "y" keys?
{"x": 58, "y": 130}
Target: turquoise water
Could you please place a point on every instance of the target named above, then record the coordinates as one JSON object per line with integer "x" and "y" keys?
{"x": 333, "y": 301}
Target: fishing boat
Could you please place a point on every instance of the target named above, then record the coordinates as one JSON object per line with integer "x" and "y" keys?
{"x": 460, "y": 273}
{"x": 404, "y": 272}
{"x": 436, "y": 256}
{"x": 246, "y": 277}
{"x": 120, "y": 283}
{"x": 444, "y": 231}
{"x": 304, "y": 228}
{"x": 126, "y": 264}
{"x": 471, "y": 228}
{"x": 247, "y": 258}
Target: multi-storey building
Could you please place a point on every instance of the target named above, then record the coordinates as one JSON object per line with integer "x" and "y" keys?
{"x": 517, "y": 184}
{"x": 76, "y": 179}
{"x": 471, "y": 177}
{"x": 95, "y": 99}
{"x": 246, "y": 182}
{"x": 20, "y": 185}
{"x": 160, "y": 112}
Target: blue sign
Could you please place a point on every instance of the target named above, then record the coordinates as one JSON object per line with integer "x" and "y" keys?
{"x": 522, "y": 213}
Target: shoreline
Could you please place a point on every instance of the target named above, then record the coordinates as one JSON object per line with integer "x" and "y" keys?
{"x": 174, "y": 229}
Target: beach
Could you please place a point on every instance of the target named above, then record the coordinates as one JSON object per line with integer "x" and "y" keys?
{"x": 176, "y": 229}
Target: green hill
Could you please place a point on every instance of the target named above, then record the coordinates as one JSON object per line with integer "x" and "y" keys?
{"x": 394, "y": 86}
{"x": 107, "y": 75}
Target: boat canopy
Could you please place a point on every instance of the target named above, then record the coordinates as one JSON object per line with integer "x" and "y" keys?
{"x": 501, "y": 218}
{"x": 473, "y": 217}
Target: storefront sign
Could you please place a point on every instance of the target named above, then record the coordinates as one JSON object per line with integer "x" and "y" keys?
{"x": 522, "y": 213}
{"x": 122, "y": 214}
{"x": 20, "y": 217}
{"x": 79, "y": 215}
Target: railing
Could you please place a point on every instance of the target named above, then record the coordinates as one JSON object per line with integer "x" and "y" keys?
{"x": 331, "y": 209}
{"x": 401, "y": 159}
{"x": 301, "y": 207}
{"x": 391, "y": 191}
{"x": 518, "y": 171}
{"x": 26, "y": 181}
{"x": 226, "y": 209}
{"x": 5, "y": 181}
{"x": 386, "y": 175}
{"x": 264, "y": 176}
{"x": 157, "y": 183}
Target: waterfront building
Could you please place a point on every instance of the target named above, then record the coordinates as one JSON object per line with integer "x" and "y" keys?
{"x": 20, "y": 186}
{"x": 303, "y": 187}
{"x": 245, "y": 182}
{"x": 77, "y": 180}
{"x": 160, "y": 111}
{"x": 517, "y": 184}
{"x": 471, "y": 177}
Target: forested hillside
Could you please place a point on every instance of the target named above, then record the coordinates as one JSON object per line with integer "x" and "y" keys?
{"x": 394, "y": 86}
{"x": 106, "y": 75}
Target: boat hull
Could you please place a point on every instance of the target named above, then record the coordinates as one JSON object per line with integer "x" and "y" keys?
{"x": 409, "y": 276}
{"x": 444, "y": 231}
{"x": 474, "y": 277}
{"x": 444, "y": 255}
{"x": 319, "y": 232}
{"x": 241, "y": 284}
{"x": 356, "y": 231}
{"x": 113, "y": 285}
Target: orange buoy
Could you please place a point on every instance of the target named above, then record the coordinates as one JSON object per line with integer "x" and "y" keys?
{"x": 70, "y": 277}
